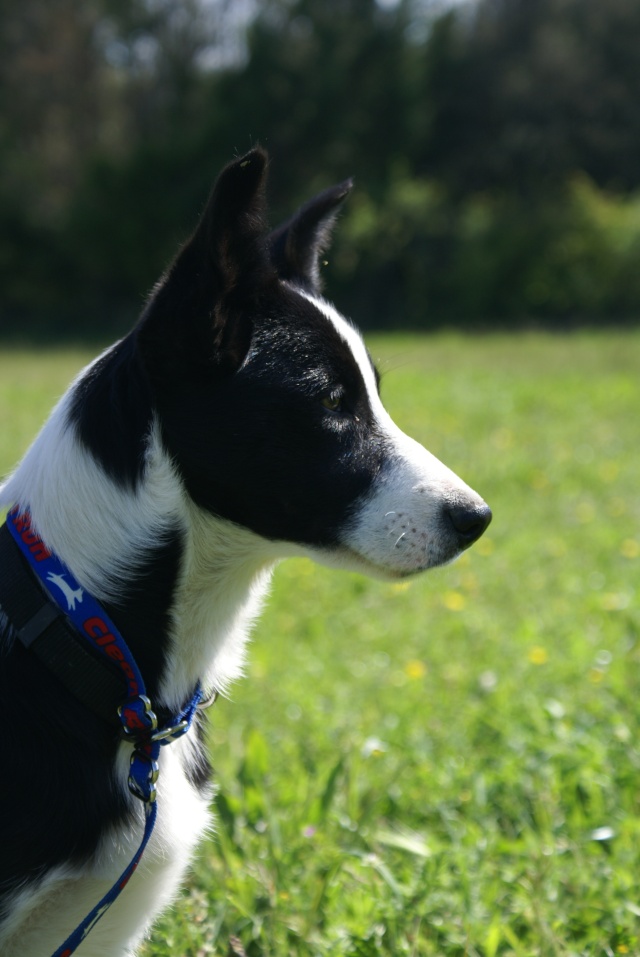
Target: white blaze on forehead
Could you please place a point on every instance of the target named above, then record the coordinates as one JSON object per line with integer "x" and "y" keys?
{"x": 404, "y": 446}
{"x": 350, "y": 335}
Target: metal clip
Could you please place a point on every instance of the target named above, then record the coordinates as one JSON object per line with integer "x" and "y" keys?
{"x": 137, "y": 718}
{"x": 143, "y": 774}
{"x": 169, "y": 733}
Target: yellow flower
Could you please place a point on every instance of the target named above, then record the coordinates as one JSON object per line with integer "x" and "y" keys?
{"x": 538, "y": 655}
{"x": 453, "y": 600}
{"x": 609, "y": 471}
{"x": 630, "y": 548}
{"x": 415, "y": 669}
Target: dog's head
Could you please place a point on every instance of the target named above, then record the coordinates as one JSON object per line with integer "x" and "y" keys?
{"x": 268, "y": 401}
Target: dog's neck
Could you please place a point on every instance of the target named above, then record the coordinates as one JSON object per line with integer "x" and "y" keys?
{"x": 224, "y": 578}
{"x": 183, "y": 585}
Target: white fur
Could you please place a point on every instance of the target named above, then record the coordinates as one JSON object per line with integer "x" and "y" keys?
{"x": 226, "y": 575}
{"x": 99, "y": 531}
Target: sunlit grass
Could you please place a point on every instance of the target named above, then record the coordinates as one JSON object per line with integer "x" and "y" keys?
{"x": 448, "y": 766}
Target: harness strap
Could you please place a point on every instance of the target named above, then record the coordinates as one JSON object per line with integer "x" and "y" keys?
{"x": 40, "y": 625}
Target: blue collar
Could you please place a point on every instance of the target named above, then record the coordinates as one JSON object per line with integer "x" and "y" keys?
{"x": 136, "y": 716}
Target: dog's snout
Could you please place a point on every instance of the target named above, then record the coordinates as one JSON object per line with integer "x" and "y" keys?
{"x": 469, "y": 521}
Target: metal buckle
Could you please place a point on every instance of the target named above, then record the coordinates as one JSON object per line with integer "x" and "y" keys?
{"x": 137, "y": 717}
{"x": 143, "y": 774}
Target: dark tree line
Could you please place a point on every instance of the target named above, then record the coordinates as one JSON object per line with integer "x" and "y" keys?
{"x": 495, "y": 147}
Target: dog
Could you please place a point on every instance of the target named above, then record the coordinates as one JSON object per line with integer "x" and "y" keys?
{"x": 239, "y": 423}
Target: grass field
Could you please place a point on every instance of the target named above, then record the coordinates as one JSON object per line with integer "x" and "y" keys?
{"x": 449, "y": 766}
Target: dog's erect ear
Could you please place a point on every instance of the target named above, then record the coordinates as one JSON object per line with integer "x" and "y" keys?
{"x": 296, "y": 246}
{"x": 196, "y": 312}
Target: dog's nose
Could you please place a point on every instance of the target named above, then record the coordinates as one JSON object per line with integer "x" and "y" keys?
{"x": 469, "y": 521}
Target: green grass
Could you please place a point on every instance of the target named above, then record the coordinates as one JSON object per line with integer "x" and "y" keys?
{"x": 451, "y": 766}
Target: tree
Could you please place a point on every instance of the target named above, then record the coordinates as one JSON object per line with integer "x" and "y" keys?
{"x": 525, "y": 94}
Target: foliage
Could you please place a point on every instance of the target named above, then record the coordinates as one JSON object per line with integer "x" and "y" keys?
{"x": 487, "y": 259}
{"x": 526, "y": 94}
{"x": 449, "y": 766}
{"x": 466, "y": 128}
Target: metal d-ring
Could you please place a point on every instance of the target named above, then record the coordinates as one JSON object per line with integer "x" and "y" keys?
{"x": 211, "y": 698}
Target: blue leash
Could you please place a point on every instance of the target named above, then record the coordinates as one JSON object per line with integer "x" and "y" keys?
{"x": 139, "y": 722}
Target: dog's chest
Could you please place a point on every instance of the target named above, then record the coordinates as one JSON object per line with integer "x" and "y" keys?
{"x": 45, "y": 913}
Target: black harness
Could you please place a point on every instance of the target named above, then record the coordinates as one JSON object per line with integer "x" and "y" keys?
{"x": 41, "y": 626}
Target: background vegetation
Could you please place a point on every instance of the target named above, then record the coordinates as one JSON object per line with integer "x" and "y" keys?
{"x": 447, "y": 767}
{"x": 496, "y": 146}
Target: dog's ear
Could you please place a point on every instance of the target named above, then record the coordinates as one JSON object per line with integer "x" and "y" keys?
{"x": 296, "y": 245}
{"x": 199, "y": 311}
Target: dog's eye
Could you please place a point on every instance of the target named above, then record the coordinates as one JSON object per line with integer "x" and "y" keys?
{"x": 332, "y": 402}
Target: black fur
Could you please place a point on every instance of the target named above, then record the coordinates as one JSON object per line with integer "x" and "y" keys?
{"x": 60, "y": 747}
{"x": 295, "y": 247}
{"x": 112, "y": 410}
{"x": 266, "y": 406}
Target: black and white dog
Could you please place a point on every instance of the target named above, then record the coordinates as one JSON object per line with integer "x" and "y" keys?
{"x": 237, "y": 424}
